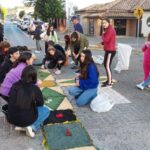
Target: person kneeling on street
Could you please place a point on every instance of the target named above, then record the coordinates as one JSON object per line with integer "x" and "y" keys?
{"x": 25, "y": 107}
{"x": 54, "y": 59}
{"x": 86, "y": 80}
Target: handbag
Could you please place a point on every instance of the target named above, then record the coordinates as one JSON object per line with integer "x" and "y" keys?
{"x": 44, "y": 37}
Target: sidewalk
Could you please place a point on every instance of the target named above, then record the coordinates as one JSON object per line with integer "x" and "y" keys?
{"x": 95, "y": 40}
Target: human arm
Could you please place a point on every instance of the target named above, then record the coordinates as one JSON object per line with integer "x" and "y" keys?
{"x": 39, "y": 101}
{"x": 92, "y": 78}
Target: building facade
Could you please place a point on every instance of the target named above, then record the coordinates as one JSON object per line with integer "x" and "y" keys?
{"x": 121, "y": 15}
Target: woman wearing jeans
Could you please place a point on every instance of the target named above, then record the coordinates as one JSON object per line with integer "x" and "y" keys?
{"x": 109, "y": 42}
{"x": 25, "y": 107}
{"x": 86, "y": 80}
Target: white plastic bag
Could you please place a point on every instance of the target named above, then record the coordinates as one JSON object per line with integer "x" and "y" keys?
{"x": 101, "y": 103}
{"x": 98, "y": 59}
{"x": 124, "y": 53}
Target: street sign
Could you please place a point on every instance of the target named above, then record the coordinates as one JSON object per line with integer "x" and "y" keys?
{"x": 138, "y": 12}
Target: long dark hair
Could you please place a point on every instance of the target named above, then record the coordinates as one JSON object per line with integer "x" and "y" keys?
{"x": 67, "y": 41}
{"x": 24, "y": 56}
{"x": 49, "y": 30}
{"x": 84, "y": 65}
{"x": 75, "y": 35}
{"x": 25, "y": 94}
{"x": 12, "y": 50}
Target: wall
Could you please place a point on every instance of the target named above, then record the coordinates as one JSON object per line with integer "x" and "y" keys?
{"x": 145, "y": 28}
{"x": 131, "y": 27}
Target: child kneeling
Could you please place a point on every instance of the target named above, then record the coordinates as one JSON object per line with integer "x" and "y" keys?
{"x": 25, "y": 107}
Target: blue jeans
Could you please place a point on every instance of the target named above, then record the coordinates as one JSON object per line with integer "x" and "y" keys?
{"x": 38, "y": 46}
{"x": 83, "y": 96}
{"x": 43, "y": 113}
{"x": 146, "y": 82}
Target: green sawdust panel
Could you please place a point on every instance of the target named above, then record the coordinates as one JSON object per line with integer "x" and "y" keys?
{"x": 37, "y": 67}
{"x": 147, "y": 88}
{"x": 42, "y": 75}
{"x": 52, "y": 98}
{"x": 57, "y": 139}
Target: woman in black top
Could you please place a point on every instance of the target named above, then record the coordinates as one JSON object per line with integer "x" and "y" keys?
{"x": 25, "y": 108}
{"x": 4, "y": 46}
{"x": 12, "y": 56}
{"x": 54, "y": 58}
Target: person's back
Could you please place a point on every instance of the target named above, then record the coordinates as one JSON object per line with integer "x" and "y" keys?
{"x": 59, "y": 48}
{"x": 23, "y": 115}
{"x": 11, "y": 77}
{"x": 25, "y": 107}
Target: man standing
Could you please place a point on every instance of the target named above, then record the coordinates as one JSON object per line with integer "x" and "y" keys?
{"x": 77, "y": 25}
{"x": 1, "y": 32}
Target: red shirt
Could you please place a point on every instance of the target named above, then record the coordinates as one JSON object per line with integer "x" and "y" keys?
{"x": 109, "y": 39}
{"x": 146, "y": 50}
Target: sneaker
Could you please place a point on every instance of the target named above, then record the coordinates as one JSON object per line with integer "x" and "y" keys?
{"x": 38, "y": 52}
{"x": 74, "y": 67}
{"x": 140, "y": 86}
{"x": 29, "y": 132}
{"x": 20, "y": 129}
{"x": 58, "y": 72}
{"x": 106, "y": 85}
{"x": 104, "y": 82}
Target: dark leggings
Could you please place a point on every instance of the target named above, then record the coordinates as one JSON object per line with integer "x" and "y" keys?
{"x": 46, "y": 47}
{"x": 53, "y": 64}
{"x": 109, "y": 55}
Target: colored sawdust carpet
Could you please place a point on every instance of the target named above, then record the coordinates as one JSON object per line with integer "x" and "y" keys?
{"x": 52, "y": 98}
{"x": 71, "y": 82}
{"x": 42, "y": 74}
{"x": 66, "y": 136}
{"x": 48, "y": 83}
{"x": 60, "y": 116}
{"x": 65, "y": 105}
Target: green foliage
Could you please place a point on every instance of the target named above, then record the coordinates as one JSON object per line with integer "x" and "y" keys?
{"x": 49, "y": 9}
{"x": 21, "y": 14}
{"x": 3, "y": 13}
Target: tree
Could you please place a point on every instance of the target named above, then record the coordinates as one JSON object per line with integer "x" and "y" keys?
{"x": 49, "y": 9}
{"x": 21, "y": 14}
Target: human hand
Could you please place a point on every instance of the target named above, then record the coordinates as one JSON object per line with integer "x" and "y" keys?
{"x": 42, "y": 67}
{"x": 39, "y": 82}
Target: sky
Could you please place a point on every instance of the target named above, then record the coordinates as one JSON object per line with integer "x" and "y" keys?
{"x": 81, "y": 4}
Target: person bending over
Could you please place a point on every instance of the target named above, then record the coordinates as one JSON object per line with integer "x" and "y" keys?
{"x": 54, "y": 58}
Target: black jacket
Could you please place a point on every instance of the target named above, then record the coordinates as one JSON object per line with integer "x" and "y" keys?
{"x": 24, "y": 117}
{"x": 37, "y": 33}
{"x": 57, "y": 56}
{"x": 5, "y": 68}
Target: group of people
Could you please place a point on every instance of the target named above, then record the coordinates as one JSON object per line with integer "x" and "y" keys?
{"x": 19, "y": 87}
